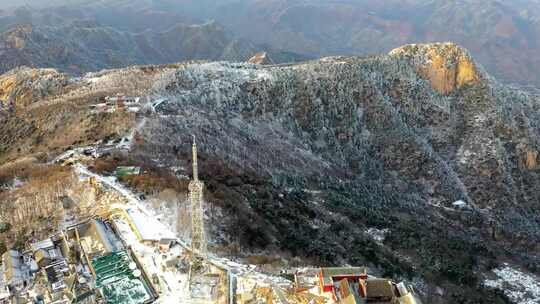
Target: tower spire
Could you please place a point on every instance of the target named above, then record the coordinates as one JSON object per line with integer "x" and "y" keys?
{"x": 198, "y": 236}
{"x": 194, "y": 155}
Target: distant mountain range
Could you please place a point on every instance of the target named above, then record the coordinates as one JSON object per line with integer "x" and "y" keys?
{"x": 504, "y": 36}
{"x": 75, "y": 40}
{"x": 86, "y": 46}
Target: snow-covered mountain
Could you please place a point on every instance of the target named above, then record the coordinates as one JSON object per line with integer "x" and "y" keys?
{"x": 417, "y": 164}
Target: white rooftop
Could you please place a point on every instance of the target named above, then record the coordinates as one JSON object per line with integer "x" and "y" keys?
{"x": 149, "y": 228}
{"x": 45, "y": 244}
{"x": 459, "y": 203}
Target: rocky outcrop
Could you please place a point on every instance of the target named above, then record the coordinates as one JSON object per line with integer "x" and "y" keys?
{"x": 261, "y": 58}
{"x": 17, "y": 37}
{"x": 447, "y": 66}
{"x": 528, "y": 156}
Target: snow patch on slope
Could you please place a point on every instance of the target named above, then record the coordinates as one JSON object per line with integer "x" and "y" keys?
{"x": 378, "y": 235}
{"x": 520, "y": 287}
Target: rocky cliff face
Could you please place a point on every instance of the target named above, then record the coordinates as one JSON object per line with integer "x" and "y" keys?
{"x": 446, "y": 66}
{"x": 305, "y": 159}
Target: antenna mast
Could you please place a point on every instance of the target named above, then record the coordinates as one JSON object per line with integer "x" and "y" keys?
{"x": 198, "y": 237}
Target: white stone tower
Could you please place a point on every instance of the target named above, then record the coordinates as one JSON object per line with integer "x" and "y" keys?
{"x": 198, "y": 237}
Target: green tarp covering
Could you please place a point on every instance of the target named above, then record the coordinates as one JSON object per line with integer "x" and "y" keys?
{"x": 117, "y": 282}
{"x": 125, "y": 171}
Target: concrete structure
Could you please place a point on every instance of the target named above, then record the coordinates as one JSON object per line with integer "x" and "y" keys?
{"x": 378, "y": 290}
{"x": 349, "y": 293}
{"x": 165, "y": 245}
{"x": 121, "y": 103}
{"x": 49, "y": 249}
{"x": 50, "y": 257}
{"x": 96, "y": 238}
{"x": 42, "y": 257}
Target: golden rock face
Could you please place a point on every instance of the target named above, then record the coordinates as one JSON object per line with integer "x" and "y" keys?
{"x": 446, "y": 65}
{"x": 17, "y": 37}
{"x": 530, "y": 159}
{"x": 19, "y": 43}
{"x": 528, "y": 156}
{"x": 7, "y": 86}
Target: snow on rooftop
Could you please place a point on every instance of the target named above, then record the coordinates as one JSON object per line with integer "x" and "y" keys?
{"x": 149, "y": 228}
{"x": 45, "y": 244}
{"x": 459, "y": 204}
{"x": 3, "y": 286}
{"x": 125, "y": 232}
{"x": 173, "y": 284}
{"x": 14, "y": 253}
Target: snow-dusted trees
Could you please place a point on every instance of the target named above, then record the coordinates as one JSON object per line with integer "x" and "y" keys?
{"x": 36, "y": 204}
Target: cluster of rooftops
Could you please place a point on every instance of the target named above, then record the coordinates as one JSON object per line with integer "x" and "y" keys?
{"x": 19, "y": 269}
{"x": 353, "y": 285}
{"x": 86, "y": 263}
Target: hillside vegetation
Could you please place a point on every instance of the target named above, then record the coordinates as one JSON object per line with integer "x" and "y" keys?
{"x": 303, "y": 160}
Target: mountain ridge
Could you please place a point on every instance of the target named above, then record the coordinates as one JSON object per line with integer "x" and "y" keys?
{"x": 86, "y": 46}
{"x": 503, "y": 36}
{"x": 301, "y": 160}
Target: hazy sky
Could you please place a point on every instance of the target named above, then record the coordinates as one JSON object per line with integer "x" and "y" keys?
{"x": 35, "y": 3}
{"x": 38, "y": 3}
